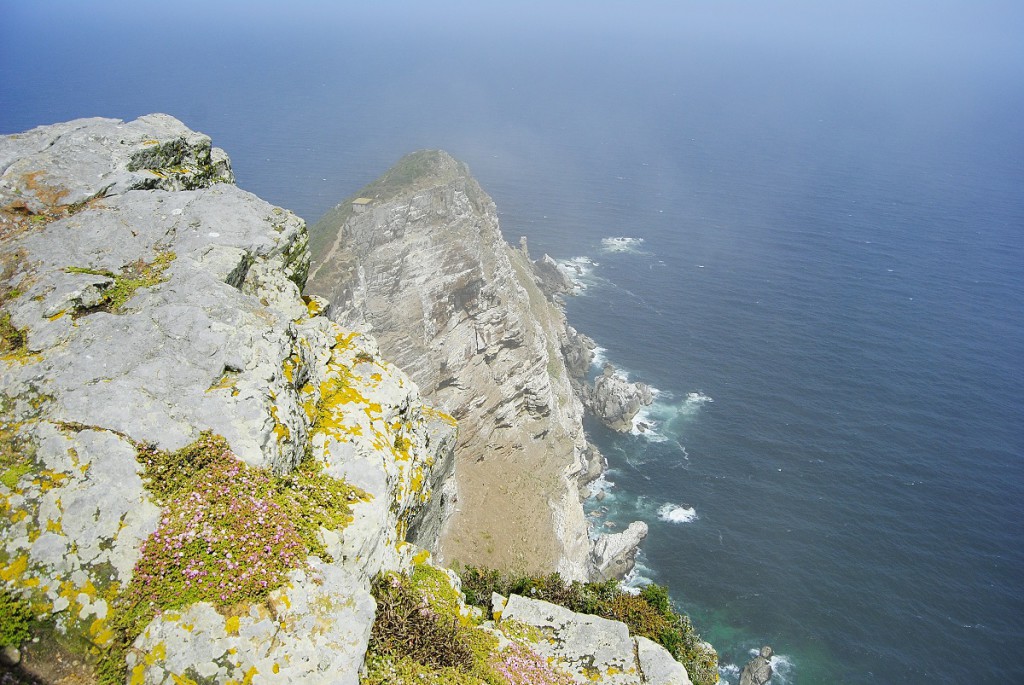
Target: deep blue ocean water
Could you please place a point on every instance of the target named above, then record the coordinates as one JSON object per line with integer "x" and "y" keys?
{"x": 825, "y": 280}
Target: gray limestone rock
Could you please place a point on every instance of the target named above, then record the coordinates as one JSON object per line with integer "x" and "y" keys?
{"x": 758, "y": 670}
{"x": 658, "y": 666}
{"x": 153, "y": 300}
{"x": 593, "y": 649}
{"x": 615, "y": 401}
{"x": 614, "y": 554}
{"x": 418, "y": 259}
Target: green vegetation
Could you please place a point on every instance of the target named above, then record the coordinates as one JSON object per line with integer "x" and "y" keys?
{"x": 15, "y": 619}
{"x": 420, "y": 636}
{"x": 12, "y": 340}
{"x": 138, "y": 274}
{"x": 229, "y": 535}
{"x": 649, "y": 613}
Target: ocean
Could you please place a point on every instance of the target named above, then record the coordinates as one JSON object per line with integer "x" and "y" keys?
{"x": 802, "y": 224}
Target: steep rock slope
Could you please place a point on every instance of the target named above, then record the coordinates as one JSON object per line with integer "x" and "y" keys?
{"x": 418, "y": 258}
{"x": 145, "y": 299}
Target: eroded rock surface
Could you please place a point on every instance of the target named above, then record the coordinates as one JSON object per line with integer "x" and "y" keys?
{"x": 595, "y": 649}
{"x": 614, "y": 554}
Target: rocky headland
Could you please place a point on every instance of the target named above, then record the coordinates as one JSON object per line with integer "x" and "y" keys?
{"x": 208, "y": 477}
{"x": 418, "y": 258}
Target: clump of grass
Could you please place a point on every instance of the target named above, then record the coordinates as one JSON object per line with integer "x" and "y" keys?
{"x": 12, "y": 339}
{"x": 649, "y": 613}
{"x": 15, "y": 619}
{"x": 407, "y": 626}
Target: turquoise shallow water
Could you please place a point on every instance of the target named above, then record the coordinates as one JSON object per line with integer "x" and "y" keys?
{"x": 826, "y": 281}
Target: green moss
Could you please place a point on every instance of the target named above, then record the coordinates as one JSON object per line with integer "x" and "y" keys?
{"x": 12, "y": 340}
{"x": 12, "y": 474}
{"x": 15, "y": 619}
{"x": 138, "y": 274}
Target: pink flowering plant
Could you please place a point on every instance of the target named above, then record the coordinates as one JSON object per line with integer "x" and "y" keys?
{"x": 519, "y": 665}
{"x": 229, "y": 534}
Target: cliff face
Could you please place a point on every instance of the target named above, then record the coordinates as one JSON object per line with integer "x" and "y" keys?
{"x": 418, "y": 259}
{"x": 146, "y": 299}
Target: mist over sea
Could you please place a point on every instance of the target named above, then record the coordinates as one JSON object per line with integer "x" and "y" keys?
{"x": 822, "y": 272}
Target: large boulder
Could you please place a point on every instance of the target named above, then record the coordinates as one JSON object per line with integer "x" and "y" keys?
{"x": 594, "y": 649}
{"x": 615, "y": 400}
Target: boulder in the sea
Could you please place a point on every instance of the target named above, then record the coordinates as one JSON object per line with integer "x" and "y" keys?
{"x": 758, "y": 670}
{"x": 615, "y": 401}
{"x": 614, "y": 554}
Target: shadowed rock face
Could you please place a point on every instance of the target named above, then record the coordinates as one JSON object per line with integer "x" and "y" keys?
{"x": 418, "y": 259}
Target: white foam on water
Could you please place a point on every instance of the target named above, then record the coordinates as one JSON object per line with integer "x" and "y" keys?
{"x": 621, "y": 244}
{"x": 601, "y": 484}
{"x": 646, "y": 426}
{"x": 729, "y": 672}
{"x": 675, "y": 513}
{"x": 640, "y": 577}
{"x": 600, "y": 357}
{"x": 579, "y": 271}
{"x": 783, "y": 669}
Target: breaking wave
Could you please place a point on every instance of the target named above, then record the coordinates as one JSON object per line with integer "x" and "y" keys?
{"x": 676, "y": 513}
{"x": 621, "y": 244}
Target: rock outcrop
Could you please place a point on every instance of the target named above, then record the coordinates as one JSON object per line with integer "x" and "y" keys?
{"x": 758, "y": 670}
{"x": 594, "y": 649}
{"x": 145, "y": 299}
{"x": 615, "y": 400}
{"x": 614, "y": 554}
{"x": 417, "y": 257}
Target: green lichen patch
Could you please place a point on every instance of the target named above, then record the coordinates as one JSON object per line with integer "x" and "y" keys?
{"x": 138, "y": 274}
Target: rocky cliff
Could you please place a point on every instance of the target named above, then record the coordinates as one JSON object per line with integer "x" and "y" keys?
{"x": 203, "y": 478}
{"x": 146, "y": 300}
{"x": 418, "y": 258}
